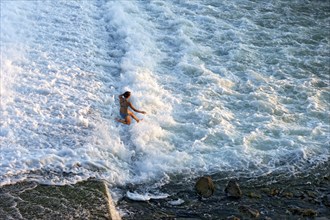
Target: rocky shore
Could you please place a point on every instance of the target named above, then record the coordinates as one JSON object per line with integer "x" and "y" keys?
{"x": 304, "y": 196}
{"x": 219, "y": 196}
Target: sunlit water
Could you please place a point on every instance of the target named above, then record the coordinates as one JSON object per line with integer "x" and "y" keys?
{"x": 235, "y": 85}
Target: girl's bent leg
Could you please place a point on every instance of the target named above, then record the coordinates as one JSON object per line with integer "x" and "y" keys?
{"x": 133, "y": 116}
{"x": 128, "y": 120}
{"x": 121, "y": 120}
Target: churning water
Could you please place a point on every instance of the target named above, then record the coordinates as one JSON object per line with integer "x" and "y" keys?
{"x": 227, "y": 85}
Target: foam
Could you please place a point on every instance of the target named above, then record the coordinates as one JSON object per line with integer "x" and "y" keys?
{"x": 208, "y": 109}
{"x": 144, "y": 197}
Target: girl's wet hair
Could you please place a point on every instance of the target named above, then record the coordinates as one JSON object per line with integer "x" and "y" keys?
{"x": 127, "y": 94}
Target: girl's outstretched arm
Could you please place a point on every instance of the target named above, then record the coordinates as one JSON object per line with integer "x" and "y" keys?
{"x": 132, "y": 107}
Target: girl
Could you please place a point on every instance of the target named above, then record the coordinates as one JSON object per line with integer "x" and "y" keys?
{"x": 125, "y": 113}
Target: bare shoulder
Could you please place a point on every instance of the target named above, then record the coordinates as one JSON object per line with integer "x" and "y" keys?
{"x": 130, "y": 104}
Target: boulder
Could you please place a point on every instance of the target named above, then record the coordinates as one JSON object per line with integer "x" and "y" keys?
{"x": 233, "y": 190}
{"x": 205, "y": 187}
{"x": 252, "y": 213}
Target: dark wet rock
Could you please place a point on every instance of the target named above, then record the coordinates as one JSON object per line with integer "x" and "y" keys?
{"x": 29, "y": 200}
{"x": 326, "y": 200}
{"x": 311, "y": 194}
{"x": 254, "y": 195}
{"x": 232, "y": 218}
{"x": 287, "y": 194}
{"x": 271, "y": 191}
{"x": 233, "y": 190}
{"x": 247, "y": 210}
{"x": 303, "y": 212}
{"x": 205, "y": 187}
{"x": 274, "y": 192}
{"x": 265, "y": 190}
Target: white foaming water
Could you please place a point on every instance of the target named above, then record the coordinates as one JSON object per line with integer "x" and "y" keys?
{"x": 226, "y": 86}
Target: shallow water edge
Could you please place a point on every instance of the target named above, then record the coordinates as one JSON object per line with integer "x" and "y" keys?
{"x": 273, "y": 196}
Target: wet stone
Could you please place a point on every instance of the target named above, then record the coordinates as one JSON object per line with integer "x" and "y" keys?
{"x": 233, "y": 190}
{"x": 254, "y": 195}
{"x": 232, "y": 218}
{"x": 287, "y": 194}
{"x": 303, "y": 212}
{"x": 205, "y": 187}
{"x": 247, "y": 210}
{"x": 326, "y": 200}
{"x": 26, "y": 200}
{"x": 274, "y": 192}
